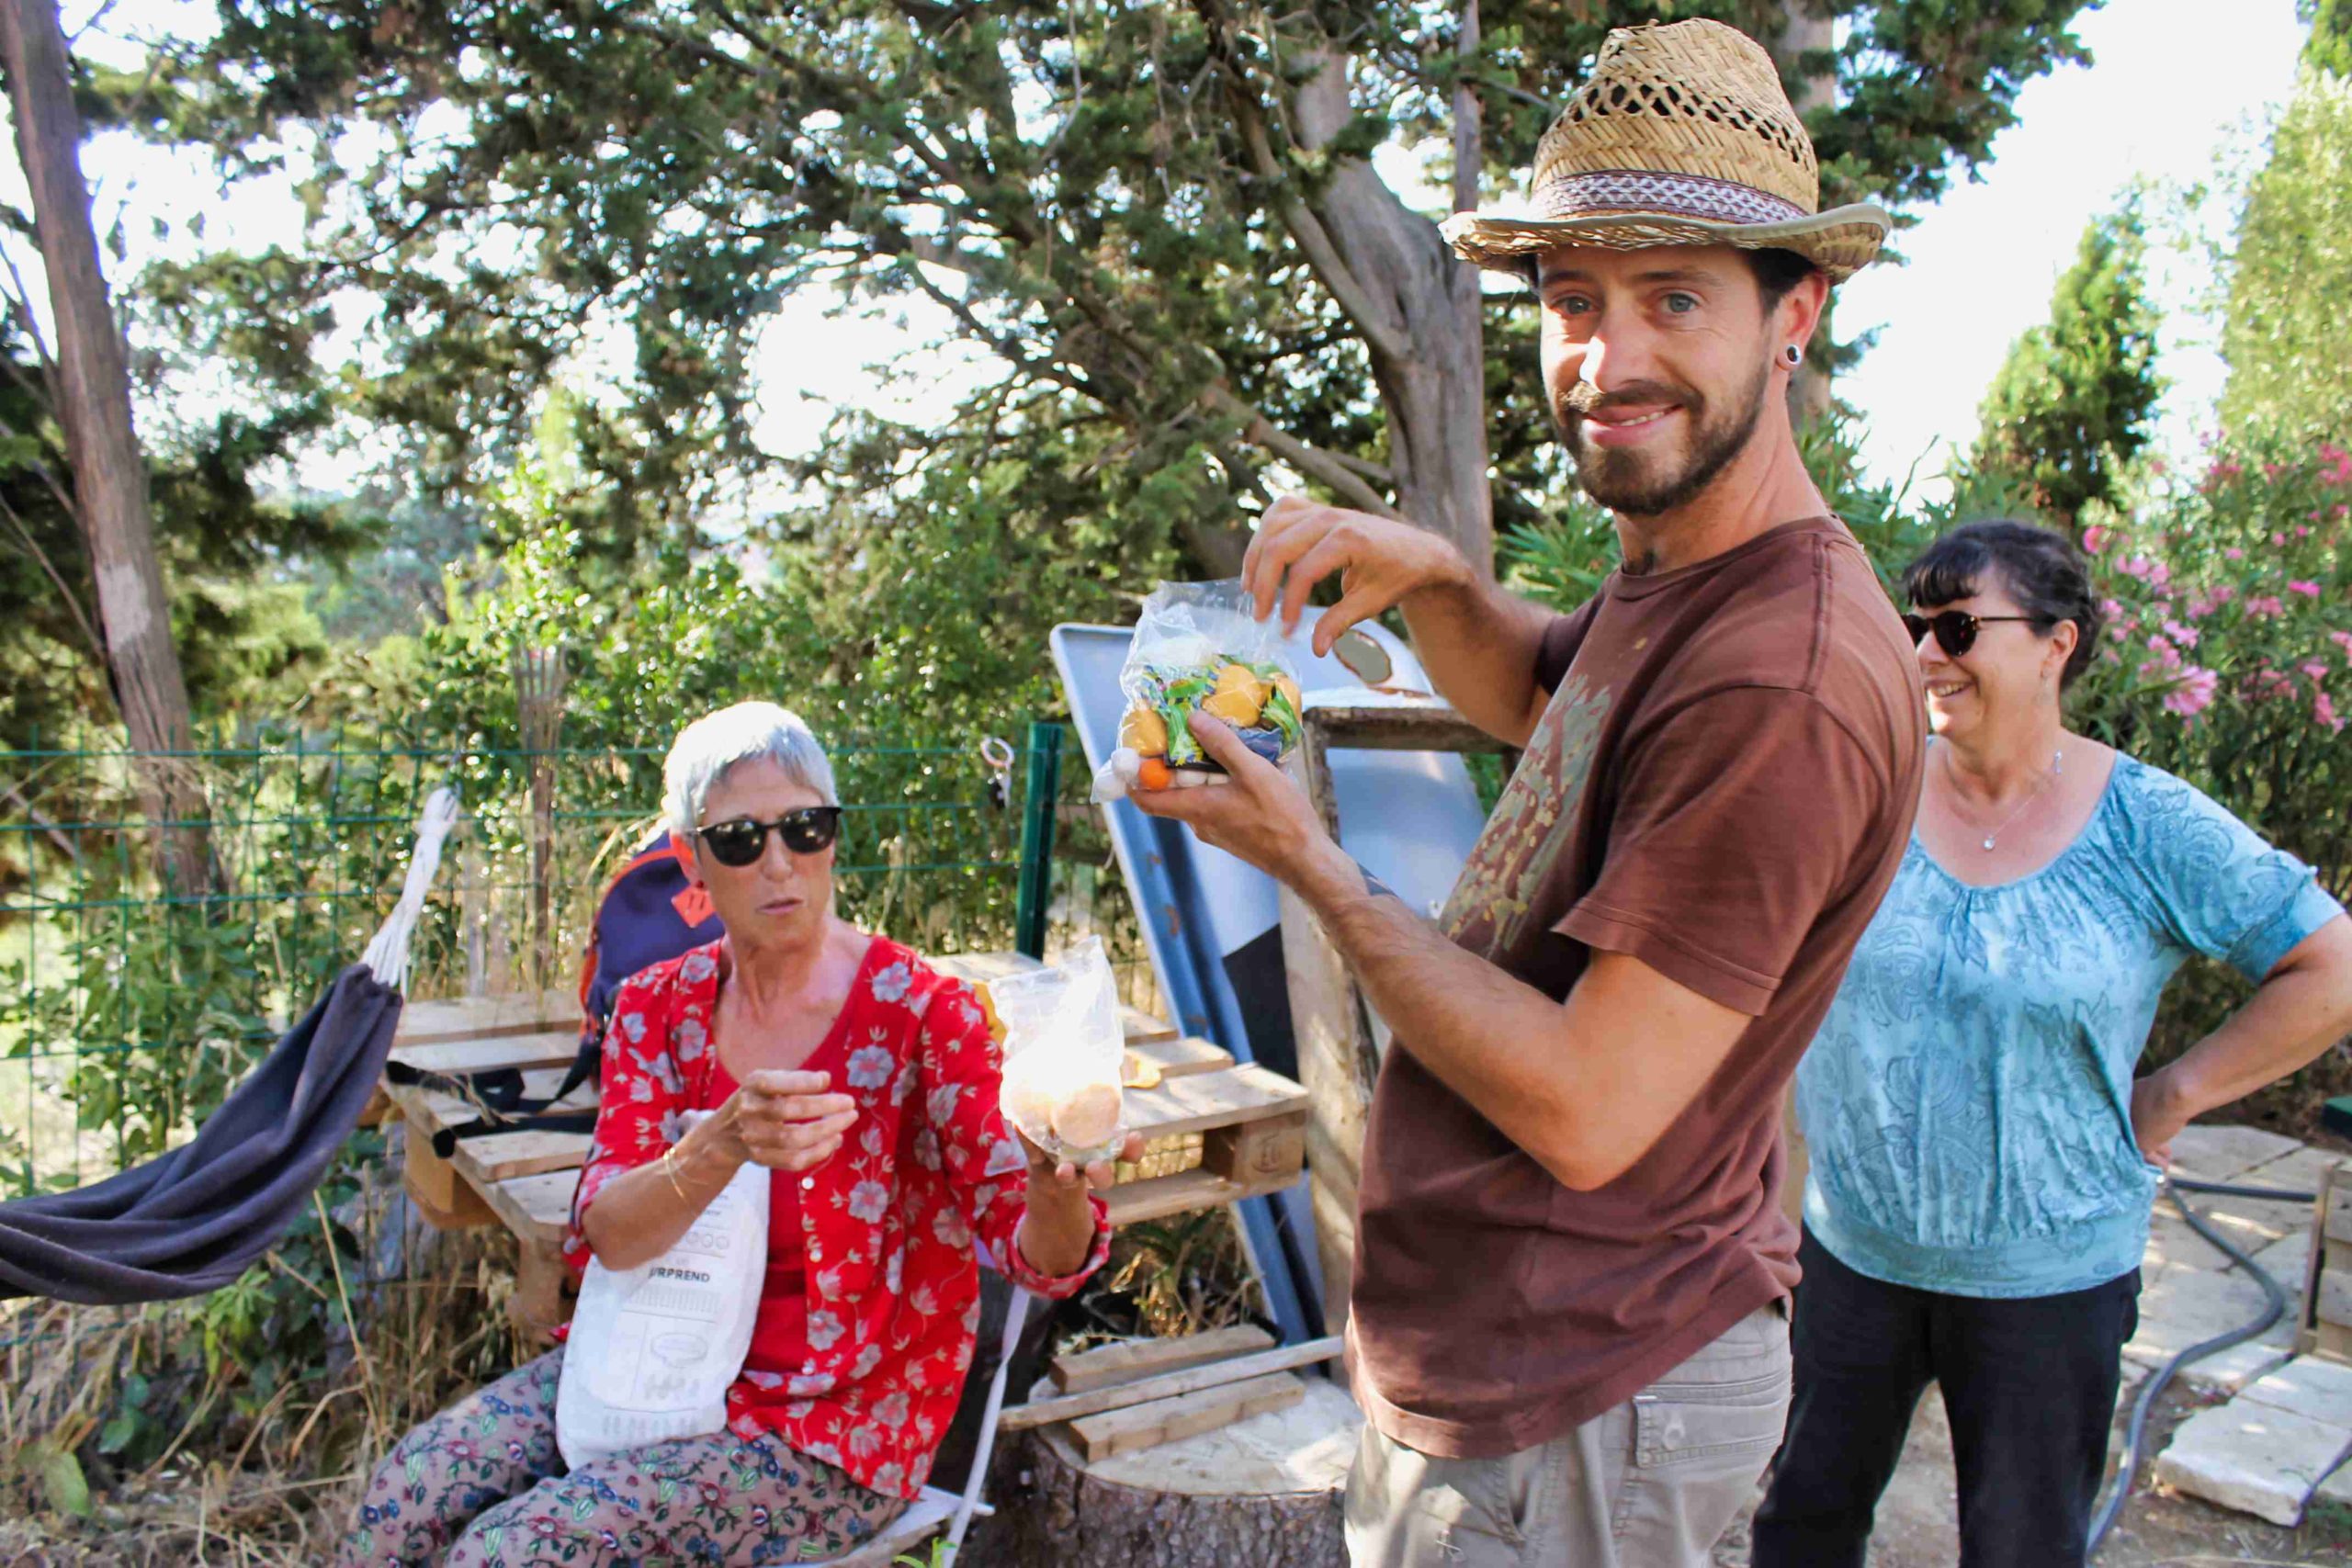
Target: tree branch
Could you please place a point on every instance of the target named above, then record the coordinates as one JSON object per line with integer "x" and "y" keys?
{"x": 1335, "y": 471}
{"x": 1026, "y": 364}
{"x": 49, "y": 569}
{"x": 1469, "y": 121}
{"x": 56, "y": 835}
{"x": 1382, "y": 333}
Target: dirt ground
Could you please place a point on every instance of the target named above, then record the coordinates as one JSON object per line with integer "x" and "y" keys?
{"x": 1915, "y": 1525}
{"x": 2158, "y": 1529}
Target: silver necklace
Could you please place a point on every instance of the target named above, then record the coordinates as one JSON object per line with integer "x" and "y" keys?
{"x": 2057, "y": 766}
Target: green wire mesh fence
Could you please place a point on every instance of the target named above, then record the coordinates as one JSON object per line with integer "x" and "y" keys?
{"x": 128, "y": 1010}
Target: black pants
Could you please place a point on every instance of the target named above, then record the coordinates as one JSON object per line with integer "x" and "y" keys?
{"x": 2030, "y": 1385}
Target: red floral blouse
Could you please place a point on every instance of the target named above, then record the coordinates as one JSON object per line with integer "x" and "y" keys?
{"x": 892, "y": 1284}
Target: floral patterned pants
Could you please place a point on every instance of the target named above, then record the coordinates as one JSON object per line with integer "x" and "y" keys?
{"x": 481, "y": 1483}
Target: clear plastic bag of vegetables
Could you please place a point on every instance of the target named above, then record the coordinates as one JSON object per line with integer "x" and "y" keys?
{"x": 1198, "y": 647}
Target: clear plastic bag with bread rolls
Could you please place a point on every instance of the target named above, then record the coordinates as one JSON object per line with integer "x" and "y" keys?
{"x": 1064, "y": 1048}
{"x": 1198, "y": 647}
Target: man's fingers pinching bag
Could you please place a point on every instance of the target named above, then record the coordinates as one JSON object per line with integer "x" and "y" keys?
{"x": 1198, "y": 649}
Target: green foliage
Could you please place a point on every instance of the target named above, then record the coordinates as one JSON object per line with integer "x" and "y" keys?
{"x": 392, "y": 586}
{"x": 2228, "y": 663}
{"x": 2071, "y": 406}
{"x": 243, "y": 633}
{"x": 1097, "y": 199}
{"x": 2329, "y": 47}
{"x": 2286, "y": 335}
{"x": 58, "y": 1476}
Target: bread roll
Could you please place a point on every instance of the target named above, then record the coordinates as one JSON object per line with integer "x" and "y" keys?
{"x": 1087, "y": 1115}
{"x": 1026, "y": 1095}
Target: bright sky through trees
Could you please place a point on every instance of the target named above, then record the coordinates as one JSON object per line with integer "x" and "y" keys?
{"x": 2174, "y": 89}
{"x": 2168, "y": 98}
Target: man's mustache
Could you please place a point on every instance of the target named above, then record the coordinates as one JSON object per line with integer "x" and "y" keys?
{"x": 1584, "y": 398}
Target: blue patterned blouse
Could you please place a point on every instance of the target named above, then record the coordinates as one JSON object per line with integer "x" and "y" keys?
{"x": 1968, "y": 1101}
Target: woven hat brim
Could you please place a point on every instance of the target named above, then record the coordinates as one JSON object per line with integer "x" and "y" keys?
{"x": 1840, "y": 242}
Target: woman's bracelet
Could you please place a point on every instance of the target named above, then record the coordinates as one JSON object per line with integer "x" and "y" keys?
{"x": 672, "y": 1172}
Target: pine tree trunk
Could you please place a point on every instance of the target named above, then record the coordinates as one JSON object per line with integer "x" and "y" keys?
{"x": 110, "y": 473}
{"x": 1809, "y": 90}
{"x": 1427, "y": 342}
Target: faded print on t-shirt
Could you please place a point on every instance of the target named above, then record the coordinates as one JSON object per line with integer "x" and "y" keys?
{"x": 1520, "y": 850}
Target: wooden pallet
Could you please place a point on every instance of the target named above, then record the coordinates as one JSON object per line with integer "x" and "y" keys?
{"x": 1216, "y": 1131}
{"x": 1146, "y": 1392}
{"x": 2326, "y": 1321}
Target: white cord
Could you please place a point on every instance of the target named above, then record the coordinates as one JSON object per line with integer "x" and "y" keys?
{"x": 387, "y": 955}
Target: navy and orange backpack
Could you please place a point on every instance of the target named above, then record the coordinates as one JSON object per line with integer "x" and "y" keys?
{"x": 649, "y": 912}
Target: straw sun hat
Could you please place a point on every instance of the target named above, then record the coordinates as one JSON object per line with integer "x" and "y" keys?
{"x": 1682, "y": 136}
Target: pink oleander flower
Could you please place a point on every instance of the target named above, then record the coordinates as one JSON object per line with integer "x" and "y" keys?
{"x": 2183, "y": 635}
{"x": 2323, "y": 710}
{"x": 2213, "y": 599}
{"x": 2344, "y": 641}
{"x": 2224, "y": 470}
{"x": 2167, "y": 655}
{"x": 2097, "y": 537}
{"x": 2231, "y": 552}
{"x": 2194, "y": 694}
{"x": 2262, "y": 606}
{"x": 2272, "y": 471}
{"x": 2337, "y": 464}
{"x": 2266, "y": 684}
{"x": 2308, "y": 590}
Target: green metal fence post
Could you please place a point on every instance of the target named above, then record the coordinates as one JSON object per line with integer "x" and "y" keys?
{"x": 1037, "y": 838}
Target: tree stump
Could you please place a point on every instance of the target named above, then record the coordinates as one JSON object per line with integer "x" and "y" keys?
{"x": 1263, "y": 1493}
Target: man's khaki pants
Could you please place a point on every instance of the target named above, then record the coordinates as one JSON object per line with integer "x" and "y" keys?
{"x": 1649, "y": 1485}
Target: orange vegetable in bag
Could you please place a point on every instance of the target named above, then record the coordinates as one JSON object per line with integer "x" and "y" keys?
{"x": 1143, "y": 731}
{"x": 1240, "y": 709}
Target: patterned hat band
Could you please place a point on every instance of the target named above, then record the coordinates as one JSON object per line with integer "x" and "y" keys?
{"x": 1641, "y": 190}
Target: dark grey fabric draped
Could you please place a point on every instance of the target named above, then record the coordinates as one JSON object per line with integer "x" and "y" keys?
{"x": 192, "y": 1221}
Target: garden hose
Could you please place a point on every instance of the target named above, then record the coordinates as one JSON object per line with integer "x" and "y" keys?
{"x": 2150, "y": 1391}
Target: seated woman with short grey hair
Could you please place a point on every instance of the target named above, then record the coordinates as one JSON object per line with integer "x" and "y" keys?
{"x": 867, "y": 1084}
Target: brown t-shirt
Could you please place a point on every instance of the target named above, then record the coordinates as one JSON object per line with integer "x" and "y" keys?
{"x": 1721, "y": 787}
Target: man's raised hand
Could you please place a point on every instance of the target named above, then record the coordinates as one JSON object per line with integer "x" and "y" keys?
{"x": 1379, "y": 559}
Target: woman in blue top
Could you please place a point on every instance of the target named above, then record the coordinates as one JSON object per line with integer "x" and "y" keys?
{"x": 1983, "y": 1161}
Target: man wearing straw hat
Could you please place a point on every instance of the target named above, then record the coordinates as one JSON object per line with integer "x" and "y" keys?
{"x": 1570, "y": 1331}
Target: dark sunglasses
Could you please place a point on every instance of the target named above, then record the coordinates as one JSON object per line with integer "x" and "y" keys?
{"x": 1955, "y": 630}
{"x": 739, "y": 840}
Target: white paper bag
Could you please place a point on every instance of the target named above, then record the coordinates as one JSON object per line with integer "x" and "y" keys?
{"x": 653, "y": 1350}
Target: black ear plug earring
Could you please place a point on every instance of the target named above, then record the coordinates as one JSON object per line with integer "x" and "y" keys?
{"x": 1794, "y": 354}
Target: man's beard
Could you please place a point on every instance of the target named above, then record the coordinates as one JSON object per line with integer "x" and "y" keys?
{"x": 1630, "y": 481}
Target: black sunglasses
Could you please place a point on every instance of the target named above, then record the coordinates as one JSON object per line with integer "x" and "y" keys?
{"x": 1955, "y": 630}
{"x": 739, "y": 840}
